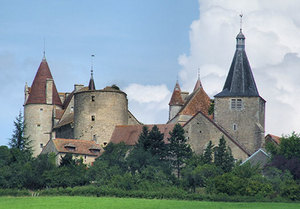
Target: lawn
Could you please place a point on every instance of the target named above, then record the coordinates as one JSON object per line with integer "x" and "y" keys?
{"x": 128, "y": 203}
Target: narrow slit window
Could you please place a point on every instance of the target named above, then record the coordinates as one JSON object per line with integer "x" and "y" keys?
{"x": 93, "y": 117}
{"x": 93, "y": 98}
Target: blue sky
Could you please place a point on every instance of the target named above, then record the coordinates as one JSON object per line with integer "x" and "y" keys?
{"x": 134, "y": 42}
{"x": 142, "y": 45}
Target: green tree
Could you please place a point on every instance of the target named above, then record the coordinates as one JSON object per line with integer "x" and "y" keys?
{"x": 208, "y": 152}
{"x": 18, "y": 140}
{"x": 179, "y": 150}
{"x": 157, "y": 145}
{"x": 223, "y": 157}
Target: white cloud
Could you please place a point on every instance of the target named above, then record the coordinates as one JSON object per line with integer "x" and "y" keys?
{"x": 272, "y": 30}
{"x": 149, "y": 103}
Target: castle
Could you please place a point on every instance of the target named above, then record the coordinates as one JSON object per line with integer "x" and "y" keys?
{"x": 90, "y": 118}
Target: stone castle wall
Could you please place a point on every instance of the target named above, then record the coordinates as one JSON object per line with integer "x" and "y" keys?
{"x": 245, "y": 125}
{"x": 39, "y": 123}
{"x": 201, "y": 130}
{"x": 96, "y": 113}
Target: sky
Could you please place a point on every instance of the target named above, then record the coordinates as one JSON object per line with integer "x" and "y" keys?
{"x": 144, "y": 46}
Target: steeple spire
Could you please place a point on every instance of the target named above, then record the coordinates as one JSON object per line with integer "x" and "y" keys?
{"x": 240, "y": 80}
{"x": 240, "y": 38}
{"x": 176, "y": 98}
{"x": 198, "y": 83}
{"x": 92, "y": 83}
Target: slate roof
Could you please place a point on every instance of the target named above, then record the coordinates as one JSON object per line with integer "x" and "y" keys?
{"x": 129, "y": 134}
{"x": 260, "y": 157}
{"x": 83, "y": 147}
{"x": 240, "y": 81}
{"x": 66, "y": 120}
{"x": 92, "y": 86}
{"x": 38, "y": 88}
{"x": 176, "y": 98}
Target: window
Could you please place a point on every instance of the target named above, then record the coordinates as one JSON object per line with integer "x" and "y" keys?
{"x": 93, "y": 98}
{"x": 95, "y": 137}
{"x": 93, "y": 117}
{"x": 236, "y": 104}
{"x": 38, "y": 125}
{"x": 41, "y": 145}
{"x": 41, "y": 109}
{"x": 234, "y": 127}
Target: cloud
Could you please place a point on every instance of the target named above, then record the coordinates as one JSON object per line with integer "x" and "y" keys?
{"x": 149, "y": 103}
{"x": 272, "y": 30}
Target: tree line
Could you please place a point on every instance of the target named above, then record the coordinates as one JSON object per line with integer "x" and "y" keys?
{"x": 153, "y": 165}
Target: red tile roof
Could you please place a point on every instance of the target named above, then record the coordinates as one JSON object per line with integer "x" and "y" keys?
{"x": 198, "y": 85}
{"x": 130, "y": 133}
{"x": 274, "y": 138}
{"x": 197, "y": 101}
{"x": 38, "y": 88}
{"x": 84, "y": 147}
{"x": 176, "y": 98}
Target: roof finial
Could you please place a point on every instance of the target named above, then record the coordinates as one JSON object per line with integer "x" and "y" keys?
{"x": 44, "y": 51}
{"x": 198, "y": 73}
{"x": 92, "y": 65}
{"x": 241, "y": 21}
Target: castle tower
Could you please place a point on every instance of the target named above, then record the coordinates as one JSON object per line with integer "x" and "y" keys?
{"x": 97, "y": 112}
{"x": 40, "y": 102}
{"x": 176, "y": 101}
{"x": 239, "y": 109}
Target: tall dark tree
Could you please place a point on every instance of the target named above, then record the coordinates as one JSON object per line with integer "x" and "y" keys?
{"x": 157, "y": 145}
{"x": 223, "y": 157}
{"x": 208, "y": 152}
{"x": 18, "y": 140}
{"x": 179, "y": 150}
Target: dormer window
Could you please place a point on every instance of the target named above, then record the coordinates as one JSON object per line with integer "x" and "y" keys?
{"x": 94, "y": 149}
{"x": 70, "y": 147}
{"x": 236, "y": 104}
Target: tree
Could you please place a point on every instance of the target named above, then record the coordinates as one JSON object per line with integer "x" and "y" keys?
{"x": 179, "y": 150}
{"x": 223, "y": 157}
{"x": 207, "y": 156}
{"x": 157, "y": 145}
{"x": 18, "y": 140}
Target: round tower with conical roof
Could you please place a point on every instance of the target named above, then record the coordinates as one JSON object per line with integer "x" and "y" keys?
{"x": 41, "y": 101}
{"x": 97, "y": 112}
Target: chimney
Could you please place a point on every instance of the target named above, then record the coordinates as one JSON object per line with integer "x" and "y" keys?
{"x": 78, "y": 87}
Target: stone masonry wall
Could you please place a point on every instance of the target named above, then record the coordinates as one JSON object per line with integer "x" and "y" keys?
{"x": 249, "y": 121}
{"x": 200, "y": 131}
{"x": 96, "y": 113}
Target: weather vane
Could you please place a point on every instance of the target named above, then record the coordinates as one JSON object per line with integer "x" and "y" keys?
{"x": 241, "y": 21}
{"x": 92, "y": 64}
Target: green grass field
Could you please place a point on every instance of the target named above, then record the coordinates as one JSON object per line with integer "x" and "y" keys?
{"x": 127, "y": 203}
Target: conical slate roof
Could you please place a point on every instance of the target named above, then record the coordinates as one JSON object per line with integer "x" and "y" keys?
{"x": 92, "y": 85}
{"x": 176, "y": 98}
{"x": 38, "y": 88}
{"x": 240, "y": 81}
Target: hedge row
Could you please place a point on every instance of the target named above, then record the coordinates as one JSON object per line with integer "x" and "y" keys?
{"x": 164, "y": 193}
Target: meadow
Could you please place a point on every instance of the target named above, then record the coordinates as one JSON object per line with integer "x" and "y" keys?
{"x": 78, "y": 202}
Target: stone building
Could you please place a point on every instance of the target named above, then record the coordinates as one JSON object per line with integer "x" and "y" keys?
{"x": 237, "y": 113}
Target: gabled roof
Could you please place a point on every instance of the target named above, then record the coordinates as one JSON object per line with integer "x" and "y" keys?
{"x": 38, "y": 88}
{"x": 260, "y": 157}
{"x": 129, "y": 134}
{"x": 176, "y": 98}
{"x": 197, "y": 101}
{"x": 69, "y": 118}
{"x": 222, "y": 130}
{"x": 240, "y": 81}
{"x": 83, "y": 147}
